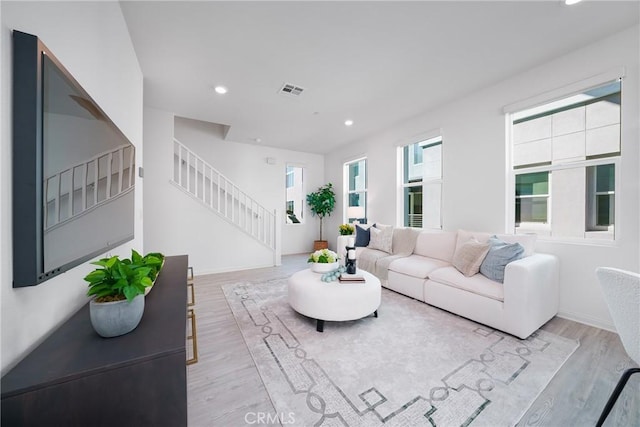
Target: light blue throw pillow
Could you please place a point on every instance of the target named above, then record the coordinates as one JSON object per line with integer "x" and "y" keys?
{"x": 500, "y": 254}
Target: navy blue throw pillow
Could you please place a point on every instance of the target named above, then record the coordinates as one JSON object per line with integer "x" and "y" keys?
{"x": 363, "y": 235}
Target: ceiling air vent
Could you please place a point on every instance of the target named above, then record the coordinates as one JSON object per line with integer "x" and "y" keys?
{"x": 291, "y": 90}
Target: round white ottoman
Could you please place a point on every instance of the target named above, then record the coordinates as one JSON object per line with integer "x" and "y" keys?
{"x": 333, "y": 301}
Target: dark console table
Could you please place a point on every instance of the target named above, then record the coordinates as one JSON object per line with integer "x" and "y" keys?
{"x": 77, "y": 378}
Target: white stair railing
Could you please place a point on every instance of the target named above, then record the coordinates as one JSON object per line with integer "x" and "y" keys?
{"x": 86, "y": 185}
{"x": 202, "y": 181}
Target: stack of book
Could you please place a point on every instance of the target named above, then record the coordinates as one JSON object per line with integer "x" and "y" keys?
{"x": 351, "y": 278}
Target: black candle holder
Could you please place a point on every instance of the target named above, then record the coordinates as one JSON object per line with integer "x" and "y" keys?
{"x": 350, "y": 263}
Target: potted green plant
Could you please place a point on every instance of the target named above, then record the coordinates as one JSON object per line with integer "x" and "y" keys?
{"x": 323, "y": 261}
{"x": 117, "y": 289}
{"x": 322, "y": 203}
{"x": 346, "y": 229}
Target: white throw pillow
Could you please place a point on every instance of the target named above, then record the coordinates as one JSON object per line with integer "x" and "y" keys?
{"x": 382, "y": 226}
{"x": 468, "y": 257}
{"x": 381, "y": 239}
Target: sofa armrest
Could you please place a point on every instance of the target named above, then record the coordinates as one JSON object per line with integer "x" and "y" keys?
{"x": 531, "y": 291}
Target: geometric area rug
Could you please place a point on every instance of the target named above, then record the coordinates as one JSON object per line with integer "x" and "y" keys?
{"x": 413, "y": 365}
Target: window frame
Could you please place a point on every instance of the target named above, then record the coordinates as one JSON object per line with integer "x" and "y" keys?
{"x": 347, "y": 192}
{"x": 614, "y": 160}
{"x": 405, "y": 153}
{"x": 591, "y": 220}
{"x": 535, "y": 224}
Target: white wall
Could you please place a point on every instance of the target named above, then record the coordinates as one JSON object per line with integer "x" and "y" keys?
{"x": 92, "y": 41}
{"x": 474, "y": 167}
{"x": 175, "y": 223}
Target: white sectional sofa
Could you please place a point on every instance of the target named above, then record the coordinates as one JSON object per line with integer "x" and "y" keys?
{"x": 526, "y": 300}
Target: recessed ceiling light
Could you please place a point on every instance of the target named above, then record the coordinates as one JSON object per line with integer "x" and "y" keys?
{"x": 257, "y": 139}
{"x": 221, "y": 90}
{"x": 570, "y": 2}
{"x": 348, "y": 122}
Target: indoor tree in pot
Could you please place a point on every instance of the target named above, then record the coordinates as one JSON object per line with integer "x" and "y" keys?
{"x": 322, "y": 203}
{"x": 118, "y": 290}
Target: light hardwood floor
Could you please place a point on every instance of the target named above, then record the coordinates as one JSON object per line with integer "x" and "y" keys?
{"x": 224, "y": 386}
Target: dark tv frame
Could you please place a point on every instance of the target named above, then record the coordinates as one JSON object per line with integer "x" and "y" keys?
{"x": 27, "y": 163}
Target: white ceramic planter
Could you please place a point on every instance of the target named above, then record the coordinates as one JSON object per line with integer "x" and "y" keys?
{"x": 148, "y": 288}
{"x": 323, "y": 267}
{"x": 112, "y": 319}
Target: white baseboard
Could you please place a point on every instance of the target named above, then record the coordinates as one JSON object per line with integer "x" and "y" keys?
{"x": 587, "y": 320}
{"x": 228, "y": 270}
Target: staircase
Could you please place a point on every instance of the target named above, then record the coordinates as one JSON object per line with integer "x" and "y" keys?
{"x": 203, "y": 182}
{"x": 83, "y": 187}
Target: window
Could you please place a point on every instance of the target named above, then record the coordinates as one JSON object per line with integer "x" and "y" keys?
{"x": 356, "y": 191}
{"x": 422, "y": 183}
{"x": 294, "y": 195}
{"x": 600, "y": 197}
{"x": 290, "y": 176}
{"x": 532, "y": 197}
{"x": 564, "y": 160}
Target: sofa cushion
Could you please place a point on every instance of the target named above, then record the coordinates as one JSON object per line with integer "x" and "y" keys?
{"x": 477, "y": 284}
{"x": 382, "y": 266}
{"x": 382, "y": 226}
{"x": 362, "y": 235}
{"x": 436, "y": 244}
{"x": 417, "y": 266}
{"x": 500, "y": 254}
{"x": 468, "y": 257}
{"x": 381, "y": 239}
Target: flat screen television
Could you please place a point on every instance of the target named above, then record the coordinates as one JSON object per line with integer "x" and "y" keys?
{"x": 73, "y": 170}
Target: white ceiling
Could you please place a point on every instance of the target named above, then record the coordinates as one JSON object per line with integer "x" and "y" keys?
{"x": 377, "y": 63}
